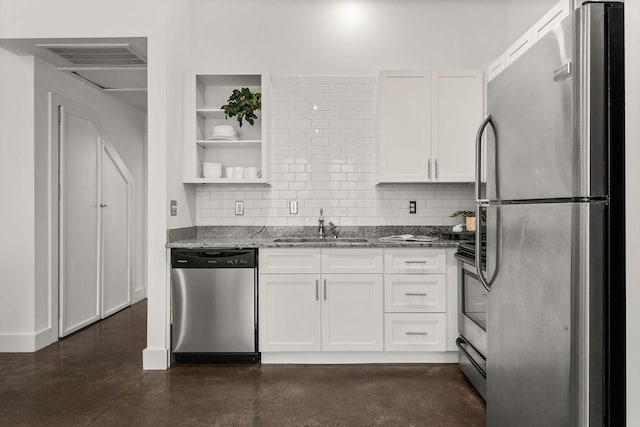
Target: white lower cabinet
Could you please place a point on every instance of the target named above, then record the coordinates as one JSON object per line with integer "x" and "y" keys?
{"x": 352, "y": 312}
{"x": 407, "y": 293}
{"x": 289, "y": 312}
{"x": 415, "y": 301}
{"x": 355, "y": 305}
{"x": 321, "y": 312}
{"x": 414, "y": 332}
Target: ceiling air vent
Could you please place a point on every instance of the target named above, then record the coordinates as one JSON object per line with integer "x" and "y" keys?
{"x": 97, "y": 55}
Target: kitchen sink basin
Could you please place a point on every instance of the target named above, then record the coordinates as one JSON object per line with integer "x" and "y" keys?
{"x": 319, "y": 239}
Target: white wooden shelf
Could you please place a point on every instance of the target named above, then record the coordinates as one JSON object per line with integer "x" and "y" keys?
{"x": 212, "y": 143}
{"x": 211, "y": 113}
{"x": 226, "y": 181}
{"x": 250, "y": 150}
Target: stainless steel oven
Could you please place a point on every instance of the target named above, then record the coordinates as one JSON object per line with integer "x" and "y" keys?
{"x": 472, "y": 320}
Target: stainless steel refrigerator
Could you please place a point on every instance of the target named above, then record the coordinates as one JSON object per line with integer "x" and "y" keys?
{"x": 554, "y": 196}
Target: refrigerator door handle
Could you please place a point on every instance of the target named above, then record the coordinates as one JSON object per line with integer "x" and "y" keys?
{"x": 488, "y": 120}
{"x": 480, "y": 202}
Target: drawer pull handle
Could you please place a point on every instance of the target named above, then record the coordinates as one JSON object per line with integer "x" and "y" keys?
{"x": 325, "y": 289}
{"x": 317, "y": 290}
{"x": 415, "y": 294}
{"x": 416, "y": 333}
{"x": 415, "y": 262}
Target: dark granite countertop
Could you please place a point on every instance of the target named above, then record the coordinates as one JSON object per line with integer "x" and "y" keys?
{"x": 349, "y": 237}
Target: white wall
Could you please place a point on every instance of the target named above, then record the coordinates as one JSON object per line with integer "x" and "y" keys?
{"x": 632, "y": 40}
{"x": 337, "y": 38}
{"x": 326, "y": 158}
{"x": 124, "y": 126}
{"x": 17, "y": 275}
{"x": 180, "y": 43}
{"x": 522, "y": 14}
{"x": 289, "y": 37}
{"x": 156, "y": 20}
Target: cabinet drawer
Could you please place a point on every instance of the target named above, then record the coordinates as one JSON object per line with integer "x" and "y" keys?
{"x": 352, "y": 261}
{"x": 414, "y": 293}
{"x": 295, "y": 261}
{"x": 419, "y": 261}
{"x": 414, "y": 332}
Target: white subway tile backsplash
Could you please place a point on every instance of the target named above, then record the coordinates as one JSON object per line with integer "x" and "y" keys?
{"x": 322, "y": 153}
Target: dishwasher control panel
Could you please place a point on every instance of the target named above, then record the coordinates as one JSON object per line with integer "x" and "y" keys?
{"x": 213, "y": 258}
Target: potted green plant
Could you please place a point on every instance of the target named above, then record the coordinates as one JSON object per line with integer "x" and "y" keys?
{"x": 243, "y": 104}
{"x": 469, "y": 218}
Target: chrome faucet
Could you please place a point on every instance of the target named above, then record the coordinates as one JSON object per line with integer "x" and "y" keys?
{"x": 334, "y": 230}
{"x": 321, "y": 230}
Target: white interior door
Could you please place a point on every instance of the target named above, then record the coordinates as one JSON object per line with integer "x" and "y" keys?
{"x": 117, "y": 221}
{"x": 79, "y": 272}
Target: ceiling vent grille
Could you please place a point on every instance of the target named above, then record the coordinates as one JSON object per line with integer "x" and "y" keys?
{"x": 96, "y": 55}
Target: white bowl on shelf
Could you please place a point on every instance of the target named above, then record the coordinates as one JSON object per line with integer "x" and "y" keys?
{"x": 211, "y": 170}
{"x": 224, "y": 130}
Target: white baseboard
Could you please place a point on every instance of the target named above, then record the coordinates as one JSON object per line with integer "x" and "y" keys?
{"x": 155, "y": 359}
{"x": 358, "y": 357}
{"x": 26, "y": 343}
{"x": 45, "y": 337}
{"x": 138, "y": 295}
{"x": 17, "y": 343}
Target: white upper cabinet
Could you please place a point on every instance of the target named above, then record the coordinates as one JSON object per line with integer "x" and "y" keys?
{"x": 204, "y": 140}
{"x": 404, "y": 148}
{"x": 427, "y": 125}
{"x": 457, "y": 106}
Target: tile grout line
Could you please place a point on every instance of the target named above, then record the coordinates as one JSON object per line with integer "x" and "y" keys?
{"x": 117, "y": 399}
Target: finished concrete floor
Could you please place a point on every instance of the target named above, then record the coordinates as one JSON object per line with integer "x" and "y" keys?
{"x": 95, "y": 377}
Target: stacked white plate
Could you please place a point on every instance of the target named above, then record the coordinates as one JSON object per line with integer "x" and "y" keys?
{"x": 223, "y": 133}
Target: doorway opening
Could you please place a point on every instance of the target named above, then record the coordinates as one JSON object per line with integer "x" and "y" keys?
{"x": 90, "y": 111}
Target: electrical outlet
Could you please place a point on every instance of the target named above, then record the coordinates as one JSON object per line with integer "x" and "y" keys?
{"x": 412, "y": 207}
{"x": 293, "y": 207}
{"x": 174, "y": 207}
{"x": 239, "y": 207}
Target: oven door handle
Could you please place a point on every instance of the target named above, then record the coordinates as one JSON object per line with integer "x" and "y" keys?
{"x": 459, "y": 343}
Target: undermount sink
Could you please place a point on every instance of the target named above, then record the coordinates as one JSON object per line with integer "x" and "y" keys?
{"x": 319, "y": 239}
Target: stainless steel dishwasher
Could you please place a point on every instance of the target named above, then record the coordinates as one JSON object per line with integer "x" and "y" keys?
{"x": 214, "y": 297}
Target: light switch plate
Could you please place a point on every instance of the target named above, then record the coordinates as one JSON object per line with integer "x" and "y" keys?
{"x": 412, "y": 207}
{"x": 239, "y": 207}
{"x": 174, "y": 207}
{"x": 293, "y": 207}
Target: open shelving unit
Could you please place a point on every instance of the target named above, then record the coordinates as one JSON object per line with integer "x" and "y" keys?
{"x": 204, "y": 112}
